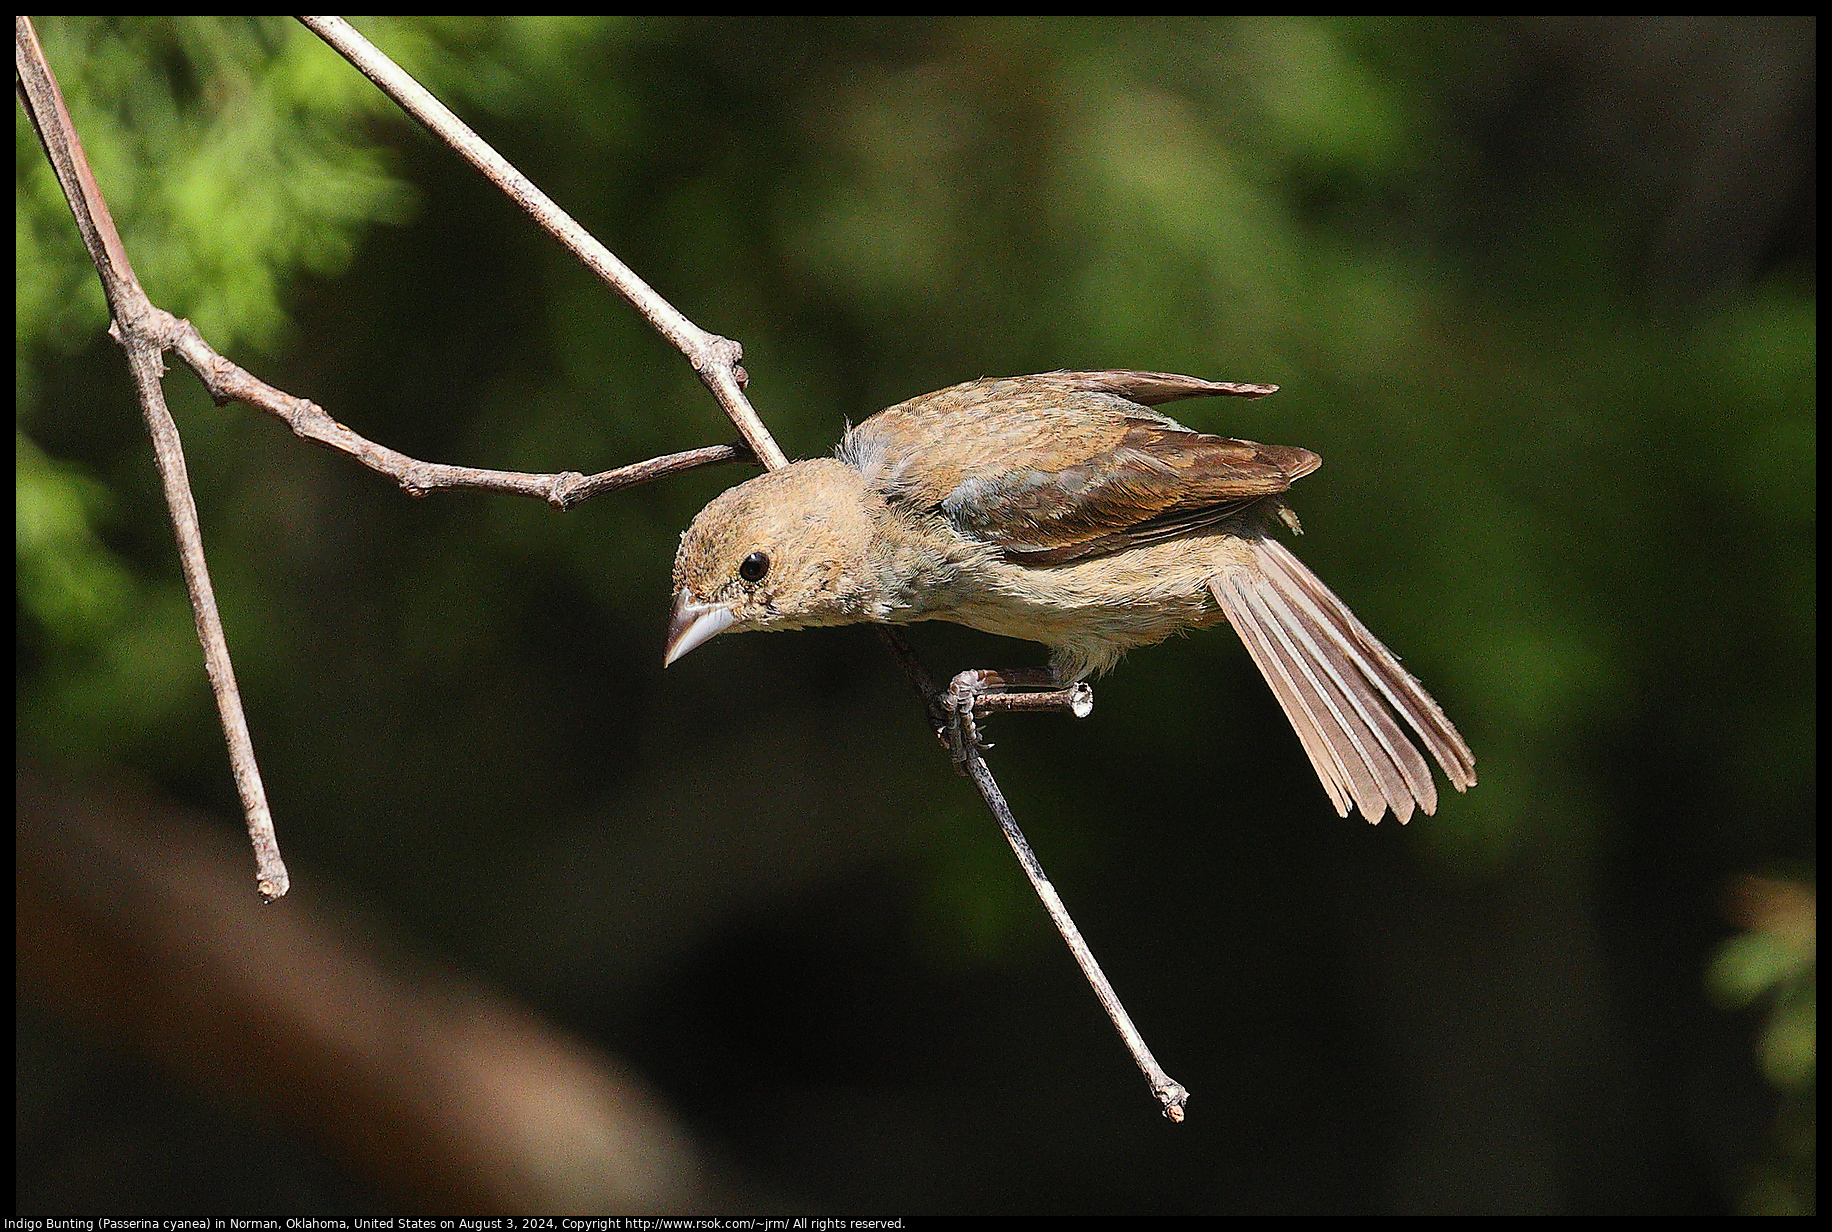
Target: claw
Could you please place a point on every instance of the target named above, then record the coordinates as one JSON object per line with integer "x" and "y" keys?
{"x": 963, "y": 734}
{"x": 971, "y": 692}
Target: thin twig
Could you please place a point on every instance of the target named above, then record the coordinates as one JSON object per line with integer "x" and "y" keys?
{"x": 1170, "y": 1093}
{"x": 228, "y": 382}
{"x": 137, "y": 326}
{"x": 714, "y": 358}
{"x": 933, "y": 699}
{"x": 146, "y": 332}
{"x": 143, "y": 358}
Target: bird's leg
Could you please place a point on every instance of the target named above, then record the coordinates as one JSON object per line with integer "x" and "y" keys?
{"x": 984, "y": 690}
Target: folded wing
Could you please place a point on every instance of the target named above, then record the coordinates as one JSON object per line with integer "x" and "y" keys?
{"x": 1067, "y": 466}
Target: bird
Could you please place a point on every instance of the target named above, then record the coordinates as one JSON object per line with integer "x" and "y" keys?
{"x": 1062, "y": 508}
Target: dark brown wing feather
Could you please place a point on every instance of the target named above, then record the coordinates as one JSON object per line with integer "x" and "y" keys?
{"x": 1150, "y": 388}
{"x": 1059, "y": 467}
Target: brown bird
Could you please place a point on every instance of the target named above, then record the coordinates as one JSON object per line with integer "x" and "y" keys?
{"x": 1062, "y": 509}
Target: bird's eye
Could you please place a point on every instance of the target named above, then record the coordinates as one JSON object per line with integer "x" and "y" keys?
{"x": 753, "y": 567}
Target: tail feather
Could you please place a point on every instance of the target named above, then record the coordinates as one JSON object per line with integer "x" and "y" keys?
{"x": 1341, "y": 689}
{"x": 1384, "y": 750}
{"x": 1401, "y": 689}
{"x": 1231, "y": 594}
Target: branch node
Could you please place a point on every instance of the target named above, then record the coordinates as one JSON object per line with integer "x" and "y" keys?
{"x": 564, "y": 485}
{"x": 146, "y": 332}
{"x": 416, "y": 480}
{"x": 717, "y": 352}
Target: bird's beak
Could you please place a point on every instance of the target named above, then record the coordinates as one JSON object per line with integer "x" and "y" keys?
{"x": 693, "y": 623}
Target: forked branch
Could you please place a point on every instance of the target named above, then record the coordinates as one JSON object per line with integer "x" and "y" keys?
{"x": 147, "y": 332}
{"x": 713, "y": 357}
{"x": 140, "y": 327}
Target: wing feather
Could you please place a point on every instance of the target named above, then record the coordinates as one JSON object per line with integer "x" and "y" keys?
{"x": 1151, "y": 388}
{"x": 1376, "y": 662}
{"x": 1066, "y": 466}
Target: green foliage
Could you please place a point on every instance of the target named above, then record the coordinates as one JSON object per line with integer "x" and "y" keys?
{"x": 233, "y": 156}
{"x": 1565, "y": 397}
{"x": 1775, "y": 962}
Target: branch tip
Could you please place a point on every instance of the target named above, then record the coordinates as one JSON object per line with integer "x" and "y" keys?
{"x": 146, "y": 332}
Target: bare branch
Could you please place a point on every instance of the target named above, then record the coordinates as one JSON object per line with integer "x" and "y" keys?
{"x": 44, "y": 107}
{"x": 713, "y": 357}
{"x": 146, "y": 332}
{"x": 1172, "y": 1094}
{"x": 229, "y": 382}
{"x": 138, "y": 327}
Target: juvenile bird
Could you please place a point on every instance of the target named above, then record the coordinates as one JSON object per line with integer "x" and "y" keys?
{"x": 1062, "y": 509}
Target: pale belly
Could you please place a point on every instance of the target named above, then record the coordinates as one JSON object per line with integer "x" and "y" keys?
{"x": 1090, "y": 613}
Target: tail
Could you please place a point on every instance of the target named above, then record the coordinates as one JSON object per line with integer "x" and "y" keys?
{"x": 1341, "y": 689}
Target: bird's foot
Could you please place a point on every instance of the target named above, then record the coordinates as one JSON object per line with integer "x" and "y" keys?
{"x": 981, "y": 691}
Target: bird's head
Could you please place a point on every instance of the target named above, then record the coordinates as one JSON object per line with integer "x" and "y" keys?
{"x": 787, "y": 550}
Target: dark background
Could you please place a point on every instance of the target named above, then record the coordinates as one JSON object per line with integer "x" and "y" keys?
{"x": 1542, "y": 293}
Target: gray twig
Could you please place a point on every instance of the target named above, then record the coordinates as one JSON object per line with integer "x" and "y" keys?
{"x": 228, "y": 382}
{"x": 1172, "y": 1094}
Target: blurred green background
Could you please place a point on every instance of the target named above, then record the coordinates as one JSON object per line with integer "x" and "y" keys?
{"x": 1540, "y": 292}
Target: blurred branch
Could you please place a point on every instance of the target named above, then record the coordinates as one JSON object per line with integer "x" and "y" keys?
{"x": 448, "y": 1094}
